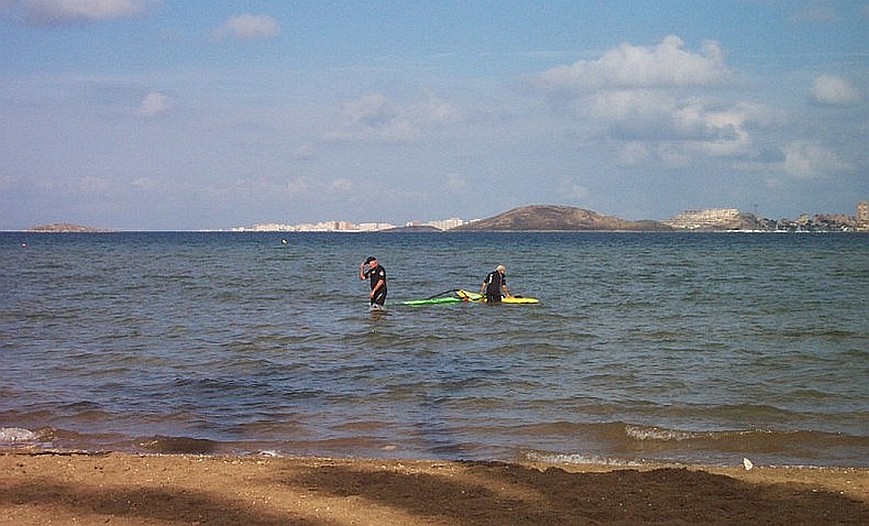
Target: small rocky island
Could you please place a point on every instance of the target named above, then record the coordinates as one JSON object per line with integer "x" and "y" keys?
{"x": 64, "y": 227}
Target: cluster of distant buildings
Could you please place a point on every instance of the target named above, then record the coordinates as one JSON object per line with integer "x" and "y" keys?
{"x": 824, "y": 223}
{"x": 733, "y": 219}
{"x": 347, "y": 226}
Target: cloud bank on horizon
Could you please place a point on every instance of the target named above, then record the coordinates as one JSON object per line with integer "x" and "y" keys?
{"x": 150, "y": 114}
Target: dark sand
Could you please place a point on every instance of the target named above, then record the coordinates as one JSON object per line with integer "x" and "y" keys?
{"x": 122, "y": 489}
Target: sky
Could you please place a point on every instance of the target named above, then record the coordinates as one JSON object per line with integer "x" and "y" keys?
{"x": 202, "y": 114}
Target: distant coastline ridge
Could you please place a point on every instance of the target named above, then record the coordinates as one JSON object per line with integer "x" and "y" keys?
{"x": 542, "y": 218}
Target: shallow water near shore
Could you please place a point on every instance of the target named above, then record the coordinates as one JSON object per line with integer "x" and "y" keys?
{"x": 698, "y": 348}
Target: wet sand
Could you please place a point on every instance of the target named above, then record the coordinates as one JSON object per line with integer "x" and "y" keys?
{"x": 122, "y": 489}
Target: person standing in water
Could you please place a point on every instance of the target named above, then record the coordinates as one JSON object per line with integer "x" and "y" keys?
{"x": 376, "y": 274}
{"x": 495, "y": 285}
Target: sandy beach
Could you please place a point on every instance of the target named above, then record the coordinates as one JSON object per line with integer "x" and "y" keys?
{"x": 123, "y": 489}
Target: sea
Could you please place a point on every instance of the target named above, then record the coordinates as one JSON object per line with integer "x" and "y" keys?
{"x": 686, "y": 348}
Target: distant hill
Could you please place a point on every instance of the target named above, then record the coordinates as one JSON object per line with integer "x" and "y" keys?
{"x": 63, "y": 227}
{"x": 558, "y": 218}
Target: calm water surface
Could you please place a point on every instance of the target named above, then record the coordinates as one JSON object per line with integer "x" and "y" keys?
{"x": 698, "y": 348}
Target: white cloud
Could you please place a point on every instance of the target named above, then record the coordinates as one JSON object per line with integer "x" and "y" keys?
{"x": 373, "y": 117}
{"x": 725, "y": 131}
{"x": 59, "y": 12}
{"x": 698, "y": 124}
{"x": 647, "y": 99}
{"x": 341, "y": 185}
{"x": 369, "y": 111}
{"x": 806, "y": 159}
{"x": 154, "y": 104}
{"x": 299, "y": 186}
{"x": 830, "y": 90}
{"x": 799, "y": 159}
{"x": 438, "y": 111}
{"x": 247, "y": 27}
{"x": 304, "y": 152}
{"x": 673, "y": 155}
{"x": 634, "y": 154}
{"x": 571, "y": 190}
{"x": 630, "y": 105}
{"x": 667, "y": 64}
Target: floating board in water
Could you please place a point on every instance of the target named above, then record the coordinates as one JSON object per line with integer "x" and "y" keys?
{"x": 519, "y": 300}
{"x": 466, "y": 296}
{"x": 475, "y": 296}
{"x": 433, "y": 301}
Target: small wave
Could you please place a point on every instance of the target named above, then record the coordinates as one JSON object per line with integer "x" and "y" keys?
{"x": 662, "y": 434}
{"x": 12, "y": 435}
{"x": 721, "y": 437}
{"x": 776, "y": 445}
{"x": 577, "y": 458}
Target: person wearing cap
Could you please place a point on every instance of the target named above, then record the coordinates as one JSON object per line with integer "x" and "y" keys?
{"x": 495, "y": 285}
{"x": 377, "y": 276}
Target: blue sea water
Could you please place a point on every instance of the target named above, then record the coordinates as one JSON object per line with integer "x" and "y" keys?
{"x": 695, "y": 348}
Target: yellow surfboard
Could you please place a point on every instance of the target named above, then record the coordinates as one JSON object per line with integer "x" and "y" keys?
{"x": 476, "y": 296}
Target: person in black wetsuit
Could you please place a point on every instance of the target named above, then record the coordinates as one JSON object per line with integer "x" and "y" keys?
{"x": 495, "y": 285}
{"x": 377, "y": 276}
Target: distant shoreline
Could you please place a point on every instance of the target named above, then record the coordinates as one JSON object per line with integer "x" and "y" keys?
{"x": 435, "y": 232}
{"x": 553, "y": 218}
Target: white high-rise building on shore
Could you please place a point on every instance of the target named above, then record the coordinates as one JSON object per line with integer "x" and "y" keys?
{"x": 863, "y": 216}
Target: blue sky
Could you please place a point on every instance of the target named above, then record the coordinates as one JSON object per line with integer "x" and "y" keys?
{"x": 194, "y": 114}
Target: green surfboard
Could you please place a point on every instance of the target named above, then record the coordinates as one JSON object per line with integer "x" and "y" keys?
{"x": 432, "y": 301}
